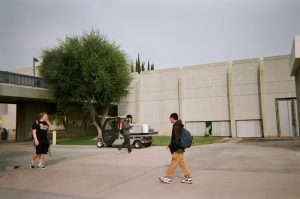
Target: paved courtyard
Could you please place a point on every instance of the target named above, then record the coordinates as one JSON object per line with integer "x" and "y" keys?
{"x": 252, "y": 169}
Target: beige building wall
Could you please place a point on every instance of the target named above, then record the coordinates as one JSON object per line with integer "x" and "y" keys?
{"x": 239, "y": 97}
{"x": 297, "y": 80}
{"x": 3, "y": 109}
{"x": 10, "y": 90}
{"x": 246, "y": 89}
{"x": 201, "y": 93}
{"x": 204, "y": 92}
{"x": 204, "y": 98}
{"x": 278, "y": 84}
{"x": 294, "y": 68}
{"x": 10, "y": 120}
{"x": 154, "y": 95}
{"x": 129, "y": 105}
{"x": 26, "y": 71}
{"x": 246, "y": 98}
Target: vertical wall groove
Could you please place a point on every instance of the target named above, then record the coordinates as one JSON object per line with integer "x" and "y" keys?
{"x": 262, "y": 96}
{"x": 231, "y": 102}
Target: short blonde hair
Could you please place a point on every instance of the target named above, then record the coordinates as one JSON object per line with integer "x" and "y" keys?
{"x": 41, "y": 115}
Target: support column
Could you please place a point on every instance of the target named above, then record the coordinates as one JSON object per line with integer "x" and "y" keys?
{"x": 231, "y": 101}
{"x": 180, "y": 95}
{"x": 262, "y": 95}
{"x": 138, "y": 99}
{"x": 53, "y": 137}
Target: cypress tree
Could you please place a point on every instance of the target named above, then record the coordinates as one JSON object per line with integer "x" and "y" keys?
{"x": 132, "y": 70}
{"x": 138, "y": 64}
{"x": 143, "y": 66}
{"x": 152, "y": 66}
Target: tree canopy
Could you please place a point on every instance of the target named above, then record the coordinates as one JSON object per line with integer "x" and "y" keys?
{"x": 88, "y": 71}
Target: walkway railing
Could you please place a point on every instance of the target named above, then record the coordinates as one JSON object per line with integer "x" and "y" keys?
{"x": 19, "y": 79}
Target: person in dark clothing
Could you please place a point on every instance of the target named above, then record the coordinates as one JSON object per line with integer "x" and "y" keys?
{"x": 126, "y": 134}
{"x": 40, "y": 129}
{"x": 177, "y": 152}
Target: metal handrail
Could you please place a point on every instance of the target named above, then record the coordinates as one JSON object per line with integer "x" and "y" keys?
{"x": 19, "y": 79}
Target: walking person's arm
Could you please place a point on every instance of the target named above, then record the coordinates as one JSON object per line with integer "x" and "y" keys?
{"x": 127, "y": 126}
{"x": 36, "y": 141}
{"x": 175, "y": 138}
{"x": 49, "y": 125}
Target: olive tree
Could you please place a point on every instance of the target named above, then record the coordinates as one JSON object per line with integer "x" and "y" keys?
{"x": 86, "y": 71}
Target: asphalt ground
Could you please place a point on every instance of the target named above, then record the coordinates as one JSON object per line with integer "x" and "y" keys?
{"x": 251, "y": 169}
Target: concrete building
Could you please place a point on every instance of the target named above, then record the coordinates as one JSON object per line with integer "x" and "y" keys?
{"x": 20, "y": 103}
{"x": 244, "y": 98}
{"x": 294, "y": 67}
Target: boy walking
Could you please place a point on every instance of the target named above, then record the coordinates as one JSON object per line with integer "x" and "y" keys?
{"x": 177, "y": 152}
{"x": 40, "y": 129}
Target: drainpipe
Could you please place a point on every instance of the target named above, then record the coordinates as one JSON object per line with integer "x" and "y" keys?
{"x": 180, "y": 95}
{"x": 262, "y": 95}
{"x": 231, "y": 102}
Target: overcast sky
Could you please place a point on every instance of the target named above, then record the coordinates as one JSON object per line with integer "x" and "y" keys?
{"x": 170, "y": 33}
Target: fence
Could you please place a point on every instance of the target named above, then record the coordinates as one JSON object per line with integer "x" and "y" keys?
{"x": 19, "y": 79}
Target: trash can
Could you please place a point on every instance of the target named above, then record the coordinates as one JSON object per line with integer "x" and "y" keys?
{"x": 4, "y": 134}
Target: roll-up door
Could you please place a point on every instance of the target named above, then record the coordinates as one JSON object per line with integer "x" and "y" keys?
{"x": 249, "y": 128}
{"x": 221, "y": 128}
{"x": 196, "y": 128}
{"x": 287, "y": 117}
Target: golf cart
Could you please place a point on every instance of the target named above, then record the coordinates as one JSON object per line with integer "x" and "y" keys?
{"x": 140, "y": 135}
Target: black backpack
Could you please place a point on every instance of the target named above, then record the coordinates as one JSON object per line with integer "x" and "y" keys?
{"x": 186, "y": 138}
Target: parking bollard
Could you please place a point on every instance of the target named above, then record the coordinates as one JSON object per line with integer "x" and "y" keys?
{"x": 54, "y": 138}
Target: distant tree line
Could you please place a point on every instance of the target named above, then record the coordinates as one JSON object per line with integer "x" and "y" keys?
{"x": 140, "y": 66}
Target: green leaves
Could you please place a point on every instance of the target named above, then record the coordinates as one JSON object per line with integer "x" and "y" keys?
{"x": 88, "y": 70}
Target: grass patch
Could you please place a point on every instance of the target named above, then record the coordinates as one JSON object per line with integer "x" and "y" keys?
{"x": 165, "y": 140}
{"x": 78, "y": 141}
{"x": 157, "y": 141}
{"x": 205, "y": 140}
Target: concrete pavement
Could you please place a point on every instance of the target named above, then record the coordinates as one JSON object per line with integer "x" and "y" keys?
{"x": 251, "y": 169}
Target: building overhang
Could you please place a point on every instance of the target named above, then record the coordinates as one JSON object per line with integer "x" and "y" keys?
{"x": 295, "y": 56}
{"x": 13, "y": 93}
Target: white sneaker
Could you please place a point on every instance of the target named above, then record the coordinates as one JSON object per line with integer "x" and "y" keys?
{"x": 187, "y": 181}
{"x": 41, "y": 166}
{"x": 31, "y": 165}
{"x": 165, "y": 179}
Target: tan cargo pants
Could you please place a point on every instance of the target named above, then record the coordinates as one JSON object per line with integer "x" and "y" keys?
{"x": 178, "y": 158}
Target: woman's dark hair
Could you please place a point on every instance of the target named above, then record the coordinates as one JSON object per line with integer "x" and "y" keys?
{"x": 174, "y": 116}
{"x": 129, "y": 116}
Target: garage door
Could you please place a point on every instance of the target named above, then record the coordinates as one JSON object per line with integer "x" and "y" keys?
{"x": 286, "y": 117}
{"x": 221, "y": 128}
{"x": 196, "y": 128}
{"x": 249, "y": 128}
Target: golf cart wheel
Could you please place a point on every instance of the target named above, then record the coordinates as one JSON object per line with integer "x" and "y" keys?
{"x": 100, "y": 144}
{"x": 137, "y": 144}
{"x": 148, "y": 144}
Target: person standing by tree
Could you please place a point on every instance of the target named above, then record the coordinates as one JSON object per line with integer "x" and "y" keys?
{"x": 126, "y": 134}
{"x": 40, "y": 129}
{"x": 177, "y": 152}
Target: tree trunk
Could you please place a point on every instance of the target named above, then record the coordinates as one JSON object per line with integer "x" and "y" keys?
{"x": 102, "y": 120}
{"x": 97, "y": 127}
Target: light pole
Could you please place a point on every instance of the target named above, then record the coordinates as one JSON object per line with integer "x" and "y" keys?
{"x": 33, "y": 61}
